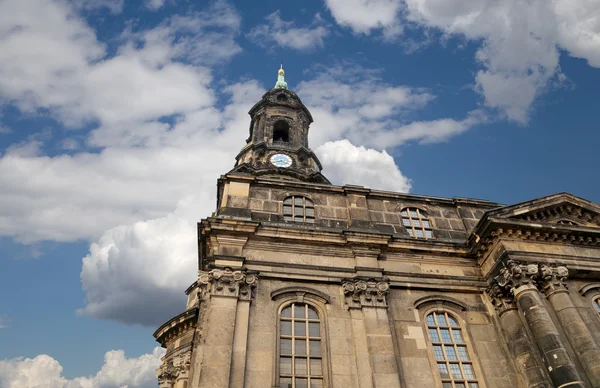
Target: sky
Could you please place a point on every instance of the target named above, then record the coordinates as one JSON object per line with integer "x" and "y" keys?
{"x": 118, "y": 116}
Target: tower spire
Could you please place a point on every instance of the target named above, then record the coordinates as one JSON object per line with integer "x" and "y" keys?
{"x": 281, "y": 84}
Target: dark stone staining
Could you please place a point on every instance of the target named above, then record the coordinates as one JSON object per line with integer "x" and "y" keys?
{"x": 324, "y": 212}
{"x": 441, "y": 223}
{"x": 359, "y": 214}
{"x": 235, "y": 212}
{"x": 377, "y": 217}
{"x": 238, "y": 202}
{"x": 465, "y": 213}
{"x": 376, "y": 205}
{"x": 457, "y": 235}
{"x": 271, "y": 206}
{"x": 388, "y": 229}
{"x": 391, "y": 218}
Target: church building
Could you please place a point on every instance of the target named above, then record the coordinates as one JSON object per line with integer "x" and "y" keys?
{"x": 303, "y": 284}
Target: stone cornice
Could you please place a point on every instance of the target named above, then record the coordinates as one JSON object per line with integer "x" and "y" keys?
{"x": 493, "y": 229}
{"x": 176, "y": 326}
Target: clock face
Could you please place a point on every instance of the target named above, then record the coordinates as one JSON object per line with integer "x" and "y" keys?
{"x": 281, "y": 160}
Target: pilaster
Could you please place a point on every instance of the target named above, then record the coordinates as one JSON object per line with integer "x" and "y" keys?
{"x": 219, "y": 359}
{"x": 375, "y": 357}
{"x": 520, "y": 280}
{"x": 552, "y": 282}
{"x": 519, "y": 344}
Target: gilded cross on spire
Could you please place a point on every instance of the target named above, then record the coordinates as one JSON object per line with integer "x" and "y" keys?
{"x": 281, "y": 84}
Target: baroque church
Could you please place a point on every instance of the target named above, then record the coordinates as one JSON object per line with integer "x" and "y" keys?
{"x": 303, "y": 284}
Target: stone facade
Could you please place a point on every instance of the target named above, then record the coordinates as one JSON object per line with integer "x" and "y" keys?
{"x": 510, "y": 288}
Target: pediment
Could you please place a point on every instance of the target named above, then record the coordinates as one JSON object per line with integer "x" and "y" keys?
{"x": 557, "y": 209}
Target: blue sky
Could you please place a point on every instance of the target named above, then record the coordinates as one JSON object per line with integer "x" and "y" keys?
{"x": 117, "y": 117}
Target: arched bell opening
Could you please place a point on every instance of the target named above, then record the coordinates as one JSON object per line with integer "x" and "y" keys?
{"x": 281, "y": 132}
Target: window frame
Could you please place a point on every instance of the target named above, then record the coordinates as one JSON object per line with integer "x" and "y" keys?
{"x": 412, "y": 228}
{"x": 596, "y": 304}
{"x": 315, "y": 299}
{"x": 466, "y": 336}
{"x": 305, "y": 218}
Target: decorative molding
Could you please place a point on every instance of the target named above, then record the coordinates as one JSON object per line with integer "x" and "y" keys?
{"x": 227, "y": 282}
{"x": 562, "y": 211}
{"x": 366, "y": 292}
{"x": 529, "y": 233}
{"x": 441, "y": 300}
{"x": 300, "y": 292}
{"x": 165, "y": 374}
{"x": 552, "y": 278}
{"x": 501, "y": 299}
{"x": 517, "y": 274}
{"x": 548, "y": 278}
{"x": 173, "y": 369}
{"x": 589, "y": 287}
{"x": 181, "y": 364}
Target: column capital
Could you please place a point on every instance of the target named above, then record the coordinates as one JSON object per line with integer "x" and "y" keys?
{"x": 165, "y": 374}
{"x": 181, "y": 364}
{"x": 552, "y": 278}
{"x": 516, "y": 274}
{"x": 366, "y": 292}
{"x": 227, "y": 282}
{"x": 502, "y": 299}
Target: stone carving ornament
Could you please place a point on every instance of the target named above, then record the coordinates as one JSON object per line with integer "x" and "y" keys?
{"x": 546, "y": 277}
{"x": 227, "y": 282}
{"x": 371, "y": 292}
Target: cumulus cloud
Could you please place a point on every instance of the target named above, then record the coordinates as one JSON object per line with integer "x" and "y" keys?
{"x": 286, "y": 34}
{"x": 344, "y": 162}
{"x": 363, "y": 16}
{"x": 50, "y": 59}
{"x": 117, "y": 371}
{"x": 519, "y": 41}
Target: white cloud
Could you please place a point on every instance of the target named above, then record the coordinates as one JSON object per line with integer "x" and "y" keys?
{"x": 50, "y": 59}
{"x": 350, "y": 102}
{"x": 345, "y": 163}
{"x": 155, "y": 4}
{"x": 286, "y": 34}
{"x": 4, "y": 321}
{"x": 519, "y": 41}
{"x": 117, "y": 371}
{"x": 114, "y": 6}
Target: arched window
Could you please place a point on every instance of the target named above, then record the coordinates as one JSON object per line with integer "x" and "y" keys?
{"x": 300, "y": 350}
{"x": 450, "y": 350}
{"x": 281, "y": 132}
{"x": 596, "y": 303}
{"x": 416, "y": 223}
{"x": 298, "y": 209}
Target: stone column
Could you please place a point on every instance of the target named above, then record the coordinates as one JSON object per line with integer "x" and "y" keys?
{"x": 374, "y": 348}
{"x": 552, "y": 282}
{"x": 222, "y": 290}
{"x": 519, "y": 344}
{"x": 520, "y": 278}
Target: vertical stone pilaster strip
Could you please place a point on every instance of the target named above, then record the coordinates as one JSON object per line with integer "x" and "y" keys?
{"x": 361, "y": 349}
{"x": 520, "y": 280}
{"x": 519, "y": 344}
{"x": 376, "y": 358}
{"x": 552, "y": 282}
{"x": 221, "y": 290}
{"x": 240, "y": 344}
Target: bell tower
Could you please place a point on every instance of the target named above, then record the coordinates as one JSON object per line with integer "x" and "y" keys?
{"x": 278, "y": 143}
